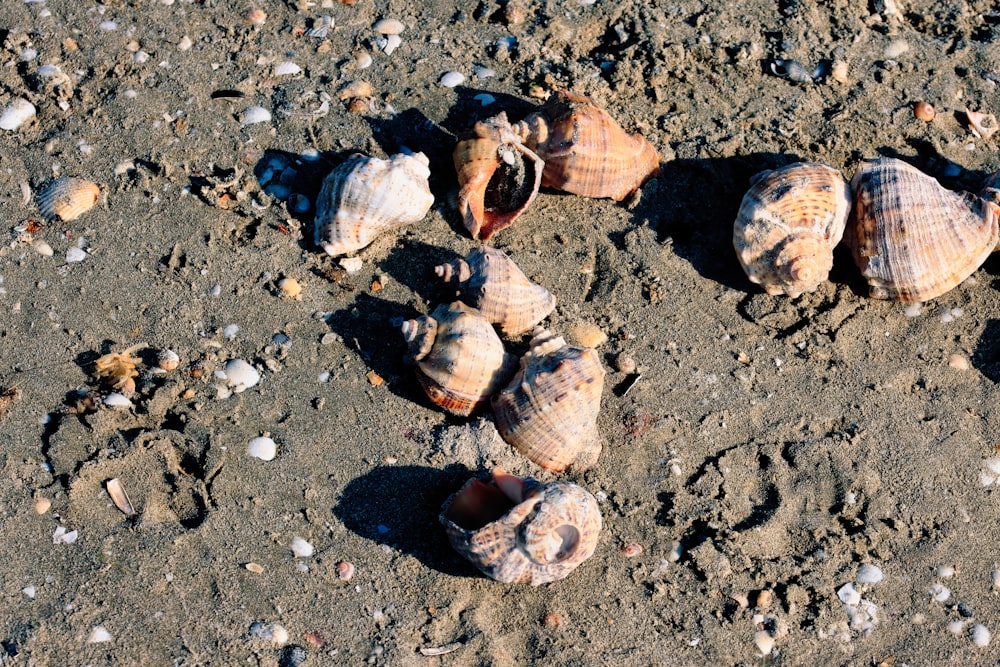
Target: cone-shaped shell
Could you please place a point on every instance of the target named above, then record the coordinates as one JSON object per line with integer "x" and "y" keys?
{"x": 490, "y": 281}
{"x": 364, "y": 196}
{"x": 585, "y": 151}
{"x": 788, "y": 225}
{"x": 521, "y": 531}
{"x": 460, "y": 359}
{"x": 912, "y": 239}
{"x": 67, "y": 198}
{"x": 498, "y": 177}
{"x": 548, "y": 412}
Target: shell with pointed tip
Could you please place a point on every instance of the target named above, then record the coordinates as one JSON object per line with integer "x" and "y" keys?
{"x": 67, "y": 198}
{"x": 490, "y": 281}
{"x": 521, "y": 531}
{"x": 913, "y": 239}
{"x": 365, "y": 196}
{"x": 497, "y": 175}
{"x": 788, "y": 225}
{"x": 460, "y": 359}
{"x": 585, "y": 151}
{"x": 548, "y": 412}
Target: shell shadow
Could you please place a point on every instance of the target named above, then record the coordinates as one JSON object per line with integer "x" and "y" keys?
{"x": 412, "y": 263}
{"x": 986, "y": 356}
{"x": 399, "y": 505}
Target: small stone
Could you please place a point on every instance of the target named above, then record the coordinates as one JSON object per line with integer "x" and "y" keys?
{"x": 117, "y": 401}
{"x": 849, "y": 595}
{"x": 271, "y": 632}
{"x": 959, "y": 362}
{"x": 939, "y": 592}
{"x": 896, "y": 48}
{"x": 351, "y": 264}
{"x": 75, "y": 255}
{"x": 588, "y": 335}
{"x": 625, "y": 364}
{"x": 945, "y": 571}
{"x": 374, "y": 378}
{"x": 167, "y": 359}
{"x": 291, "y": 288}
{"x": 98, "y": 635}
{"x": 42, "y": 505}
{"x": 256, "y": 568}
{"x": 923, "y": 111}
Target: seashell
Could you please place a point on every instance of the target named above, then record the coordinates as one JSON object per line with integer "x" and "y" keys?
{"x": 548, "y": 412}
{"x": 16, "y": 114}
{"x": 519, "y": 530}
{"x": 491, "y": 282}
{"x": 788, "y": 225}
{"x": 366, "y": 195}
{"x": 451, "y": 79}
{"x": 792, "y": 70}
{"x": 67, "y": 198}
{"x": 913, "y": 239}
{"x": 984, "y": 124}
{"x": 585, "y": 151}
{"x": 253, "y": 115}
{"x": 460, "y": 359}
{"x": 498, "y": 177}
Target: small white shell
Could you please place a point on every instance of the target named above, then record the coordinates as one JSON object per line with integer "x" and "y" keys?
{"x": 286, "y": 68}
{"x": 389, "y": 27}
{"x": 262, "y": 448}
{"x": 117, "y": 401}
{"x": 240, "y": 375}
{"x": 16, "y": 114}
{"x": 451, "y": 79}
{"x": 253, "y": 115}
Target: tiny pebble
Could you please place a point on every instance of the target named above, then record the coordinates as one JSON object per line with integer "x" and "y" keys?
{"x": 624, "y": 363}
{"x": 42, "y": 505}
{"x": 43, "y": 249}
{"x": 262, "y": 448}
{"x": 256, "y": 16}
{"x": 363, "y": 59}
{"x": 345, "y": 570}
{"x": 956, "y": 627}
{"x": 271, "y": 632}
{"x": 588, "y": 335}
{"x": 291, "y": 288}
{"x": 240, "y": 375}
{"x": 981, "y": 636}
{"x": 392, "y": 43}
{"x": 912, "y": 310}
{"x": 765, "y": 599}
{"x": 896, "y": 48}
{"x": 869, "y": 574}
{"x": 98, "y": 635}
{"x": 30, "y": 591}
{"x": 301, "y": 548}
{"x": 167, "y": 360}
{"x": 63, "y": 536}
{"x": 256, "y": 568}
{"x": 995, "y": 578}
{"x": 230, "y": 331}
{"x": 451, "y": 79}
{"x": 16, "y": 114}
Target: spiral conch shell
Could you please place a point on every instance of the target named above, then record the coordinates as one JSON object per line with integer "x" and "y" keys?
{"x": 585, "y": 151}
{"x": 548, "y": 412}
{"x": 460, "y": 359}
{"x": 498, "y": 177}
{"x": 913, "y": 239}
{"x": 365, "y": 195}
{"x": 788, "y": 225}
{"x": 519, "y": 531}
{"x": 490, "y": 281}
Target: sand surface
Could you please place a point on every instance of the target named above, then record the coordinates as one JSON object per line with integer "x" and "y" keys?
{"x": 769, "y": 444}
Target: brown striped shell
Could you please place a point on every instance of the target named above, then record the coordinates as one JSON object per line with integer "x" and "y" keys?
{"x": 459, "y": 357}
{"x": 913, "y": 239}
{"x": 67, "y": 198}
{"x": 489, "y": 280}
{"x": 498, "y": 177}
{"x": 520, "y": 531}
{"x": 548, "y": 412}
{"x": 585, "y": 151}
{"x": 788, "y": 225}
{"x": 364, "y": 196}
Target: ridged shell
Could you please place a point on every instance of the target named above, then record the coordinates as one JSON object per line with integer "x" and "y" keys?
{"x": 498, "y": 177}
{"x": 67, "y": 198}
{"x": 519, "y": 531}
{"x": 912, "y": 239}
{"x": 788, "y": 225}
{"x": 585, "y": 151}
{"x": 365, "y": 196}
{"x": 548, "y": 412}
{"x": 460, "y": 359}
{"x": 490, "y": 281}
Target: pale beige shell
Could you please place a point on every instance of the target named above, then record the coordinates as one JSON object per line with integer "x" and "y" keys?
{"x": 365, "y": 196}
{"x": 490, "y": 281}
{"x": 519, "y": 531}
{"x": 498, "y": 177}
{"x": 67, "y": 198}
{"x": 912, "y": 239}
{"x": 585, "y": 151}
{"x": 460, "y": 359}
{"x": 788, "y": 225}
{"x": 548, "y": 412}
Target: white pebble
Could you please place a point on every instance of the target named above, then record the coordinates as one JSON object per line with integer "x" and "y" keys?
{"x": 351, "y": 264}
{"x": 896, "y": 49}
{"x": 253, "y": 115}
{"x": 108, "y": 25}
{"x": 74, "y": 255}
{"x": 913, "y": 310}
{"x": 451, "y": 79}
{"x": 869, "y": 574}
{"x": 392, "y": 43}
{"x": 16, "y": 114}
{"x": 262, "y": 448}
{"x": 30, "y": 591}
{"x": 848, "y": 595}
{"x": 117, "y": 401}
{"x": 185, "y": 44}
{"x": 981, "y": 636}
{"x": 995, "y": 578}
{"x": 939, "y": 592}
{"x": 230, "y": 331}
{"x": 363, "y": 59}
{"x": 945, "y": 571}
{"x": 389, "y": 27}
{"x": 240, "y": 375}
{"x": 286, "y": 68}
{"x": 764, "y": 642}
{"x": 98, "y": 635}
{"x": 301, "y": 548}
{"x": 63, "y": 536}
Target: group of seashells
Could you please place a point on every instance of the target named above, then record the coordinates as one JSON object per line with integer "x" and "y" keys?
{"x": 515, "y": 530}
{"x": 913, "y": 239}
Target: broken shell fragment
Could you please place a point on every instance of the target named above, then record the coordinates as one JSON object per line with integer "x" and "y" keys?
{"x": 498, "y": 177}
{"x": 460, "y": 359}
{"x": 67, "y": 198}
{"x": 490, "y": 281}
{"x": 365, "y": 196}
{"x": 548, "y": 412}
{"x": 518, "y": 530}
{"x": 788, "y": 225}
{"x": 983, "y": 124}
{"x": 585, "y": 151}
{"x": 119, "y": 497}
{"x": 913, "y": 239}
{"x": 18, "y": 112}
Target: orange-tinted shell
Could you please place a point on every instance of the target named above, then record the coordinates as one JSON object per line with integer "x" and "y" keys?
{"x": 67, "y": 198}
{"x": 788, "y": 225}
{"x": 585, "y": 151}
{"x": 519, "y": 531}
{"x": 490, "y": 281}
{"x": 498, "y": 177}
{"x": 913, "y": 239}
{"x": 460, "y": 359}
{"x": 548, "y": 412}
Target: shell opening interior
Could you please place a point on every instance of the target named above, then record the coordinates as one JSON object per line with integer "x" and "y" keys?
{"x": 512, "y": 184}
{"x": 570, "y": 537}
{"x": 477, "y": 505}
